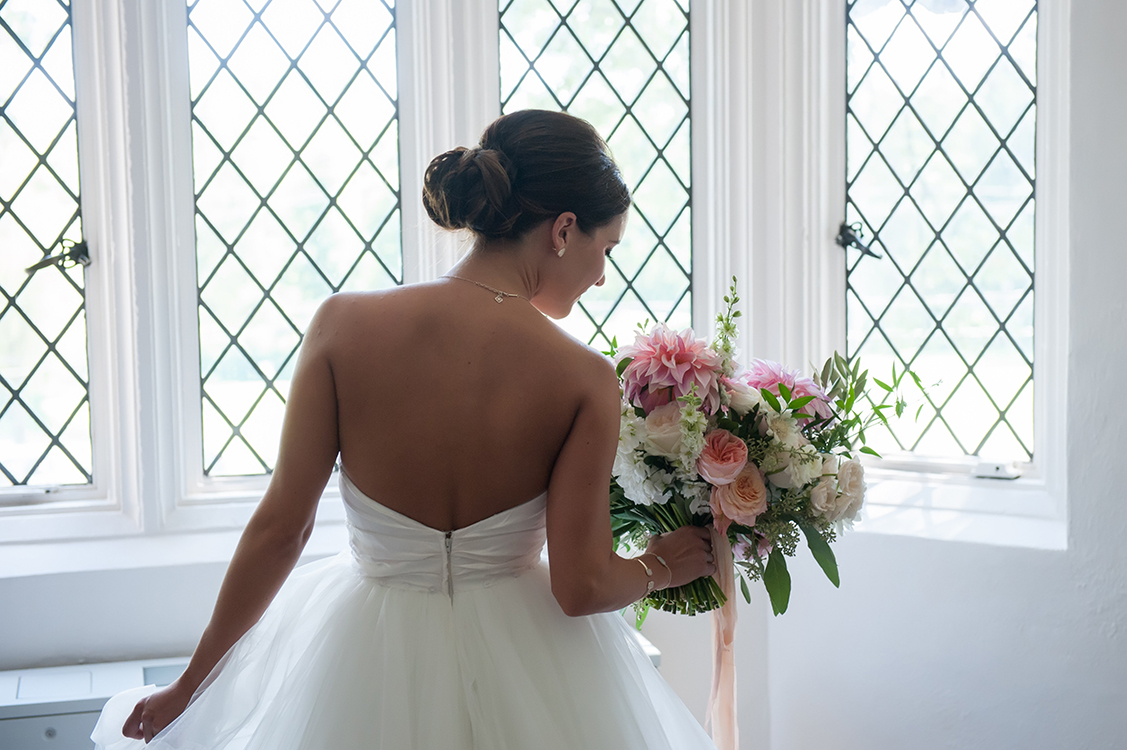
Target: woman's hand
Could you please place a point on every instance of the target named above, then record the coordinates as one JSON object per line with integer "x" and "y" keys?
{"x": 688, "y": 553}
{"x": 154, "y": 712}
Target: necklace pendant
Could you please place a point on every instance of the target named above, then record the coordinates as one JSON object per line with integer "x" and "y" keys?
{"x": 499, "y": 298}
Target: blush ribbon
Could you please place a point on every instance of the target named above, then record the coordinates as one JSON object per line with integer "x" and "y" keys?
{"x": 722, "y": 700}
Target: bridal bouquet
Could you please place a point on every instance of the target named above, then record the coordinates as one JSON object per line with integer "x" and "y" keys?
{"x": 764, "y": 455}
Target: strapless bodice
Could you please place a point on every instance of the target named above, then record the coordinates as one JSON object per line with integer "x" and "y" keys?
{"x": 402, "y": 553}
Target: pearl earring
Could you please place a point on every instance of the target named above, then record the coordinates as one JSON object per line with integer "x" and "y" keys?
{"x": 561, "y": 251}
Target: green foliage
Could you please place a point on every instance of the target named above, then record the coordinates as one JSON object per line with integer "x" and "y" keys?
{"x": 771, "y": 399}
{"x": 776, "y": 579}
{"x": 821, "y": 551}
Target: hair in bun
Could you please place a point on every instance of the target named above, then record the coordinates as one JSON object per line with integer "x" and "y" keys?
{"x": 530, "y": 166}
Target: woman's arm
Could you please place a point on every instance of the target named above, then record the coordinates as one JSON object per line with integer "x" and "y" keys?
{"x": 587, "y": 576}
{"x": 276, "y": 534}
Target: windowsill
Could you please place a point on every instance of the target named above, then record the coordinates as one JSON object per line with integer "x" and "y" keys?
{"x": 1005, "y": 513}
{"x": 147, "y": 551}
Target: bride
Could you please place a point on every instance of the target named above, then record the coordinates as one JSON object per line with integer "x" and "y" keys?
{"x": 469, "y": 429}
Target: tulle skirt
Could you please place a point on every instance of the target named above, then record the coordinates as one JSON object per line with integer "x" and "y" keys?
{"x": 340, "y": 661}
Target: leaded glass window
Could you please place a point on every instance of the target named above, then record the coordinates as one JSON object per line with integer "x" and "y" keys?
{"x": 44, "y": 394}
{"x": 941, "y": 122}
{"x": 622, "y": 65}
{"x": 296, "y": 166}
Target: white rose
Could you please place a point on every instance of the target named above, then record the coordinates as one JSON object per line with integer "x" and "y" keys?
{"x": 663, "y": 430}
{"x": 743, "y": 398}
{"x": 805, "y": 466}
{"x": 851, "y": 483}
{"x": 791, "y": 468}
{"x": 823, "y": 498}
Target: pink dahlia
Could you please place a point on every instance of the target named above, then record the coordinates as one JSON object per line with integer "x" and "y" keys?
{"x": 665, "y": 365}
{"x": 766, "y": 374}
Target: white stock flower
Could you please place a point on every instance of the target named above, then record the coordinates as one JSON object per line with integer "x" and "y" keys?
{"x": 644, "y": 484}
{"x": 693, "y": 424}
{"x": 698, "y": 495}
{"x": 641, "y": 483}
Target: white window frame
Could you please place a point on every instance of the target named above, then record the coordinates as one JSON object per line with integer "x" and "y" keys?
{"x": 151, "y": 503}
{"x": 768, "y": 192}
{"x": 803, "y": 115}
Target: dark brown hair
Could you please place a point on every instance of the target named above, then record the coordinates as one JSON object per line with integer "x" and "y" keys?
{"x": 530, "y": 166}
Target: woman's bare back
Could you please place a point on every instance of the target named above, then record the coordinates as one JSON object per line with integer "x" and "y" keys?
{"x": 452, "y": 407}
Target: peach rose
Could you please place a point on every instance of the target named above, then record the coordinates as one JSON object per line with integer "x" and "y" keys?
{"x": 723, "y": 458}
{"x": 741, "y": 501}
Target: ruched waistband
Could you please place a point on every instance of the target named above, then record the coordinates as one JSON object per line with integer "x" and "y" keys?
{"x": 402, "y": 553}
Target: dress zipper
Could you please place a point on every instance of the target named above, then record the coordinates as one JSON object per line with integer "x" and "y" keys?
{"x": 449, "y": 567}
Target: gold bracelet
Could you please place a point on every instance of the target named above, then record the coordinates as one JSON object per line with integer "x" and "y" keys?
{"x": 667, "y": 568}
{"x": 649, "y": 573}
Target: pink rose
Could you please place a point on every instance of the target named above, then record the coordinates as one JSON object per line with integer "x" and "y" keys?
{"x": 742, "y": 500}
{"x": 723, "y": 458}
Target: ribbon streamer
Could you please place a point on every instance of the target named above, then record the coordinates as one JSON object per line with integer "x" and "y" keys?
{"x": 722, "y": 699}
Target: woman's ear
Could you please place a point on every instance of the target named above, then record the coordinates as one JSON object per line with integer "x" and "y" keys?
{"x": 564, "y": 225}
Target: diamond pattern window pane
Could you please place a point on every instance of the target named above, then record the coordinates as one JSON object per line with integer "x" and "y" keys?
{"x": 44, "y": 395}
{"x": 940, "y": 132}
{"x": 623, "y": 67}
{"x": 296, "y": 158}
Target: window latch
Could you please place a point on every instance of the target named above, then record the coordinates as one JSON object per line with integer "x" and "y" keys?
{"x": 849, "y": 235}
{"x": 74, "y": 254}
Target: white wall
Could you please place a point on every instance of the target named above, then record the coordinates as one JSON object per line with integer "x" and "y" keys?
{"x": 101, "y": 616}
{"x": 927, "y": 644}
{"x": 941, "y": 645}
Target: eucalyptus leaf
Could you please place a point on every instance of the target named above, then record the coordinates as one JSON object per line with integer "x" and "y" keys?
{"x": 622, "y": 366}
{"x": 821, "y": 551}
{"x": 744, "y": 589}
{"x": 870, "y": 451}
{"x": 798, "y": 403}
{"x": 883, "y": 384}
{"x": 776, "y": 579}
{"x": 784, "y": 392}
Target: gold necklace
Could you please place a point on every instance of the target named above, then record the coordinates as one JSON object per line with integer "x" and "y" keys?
{"x": 500, "y": 295}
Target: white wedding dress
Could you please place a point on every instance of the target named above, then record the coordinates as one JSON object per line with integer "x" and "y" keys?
{"x": 419, "y": 639}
